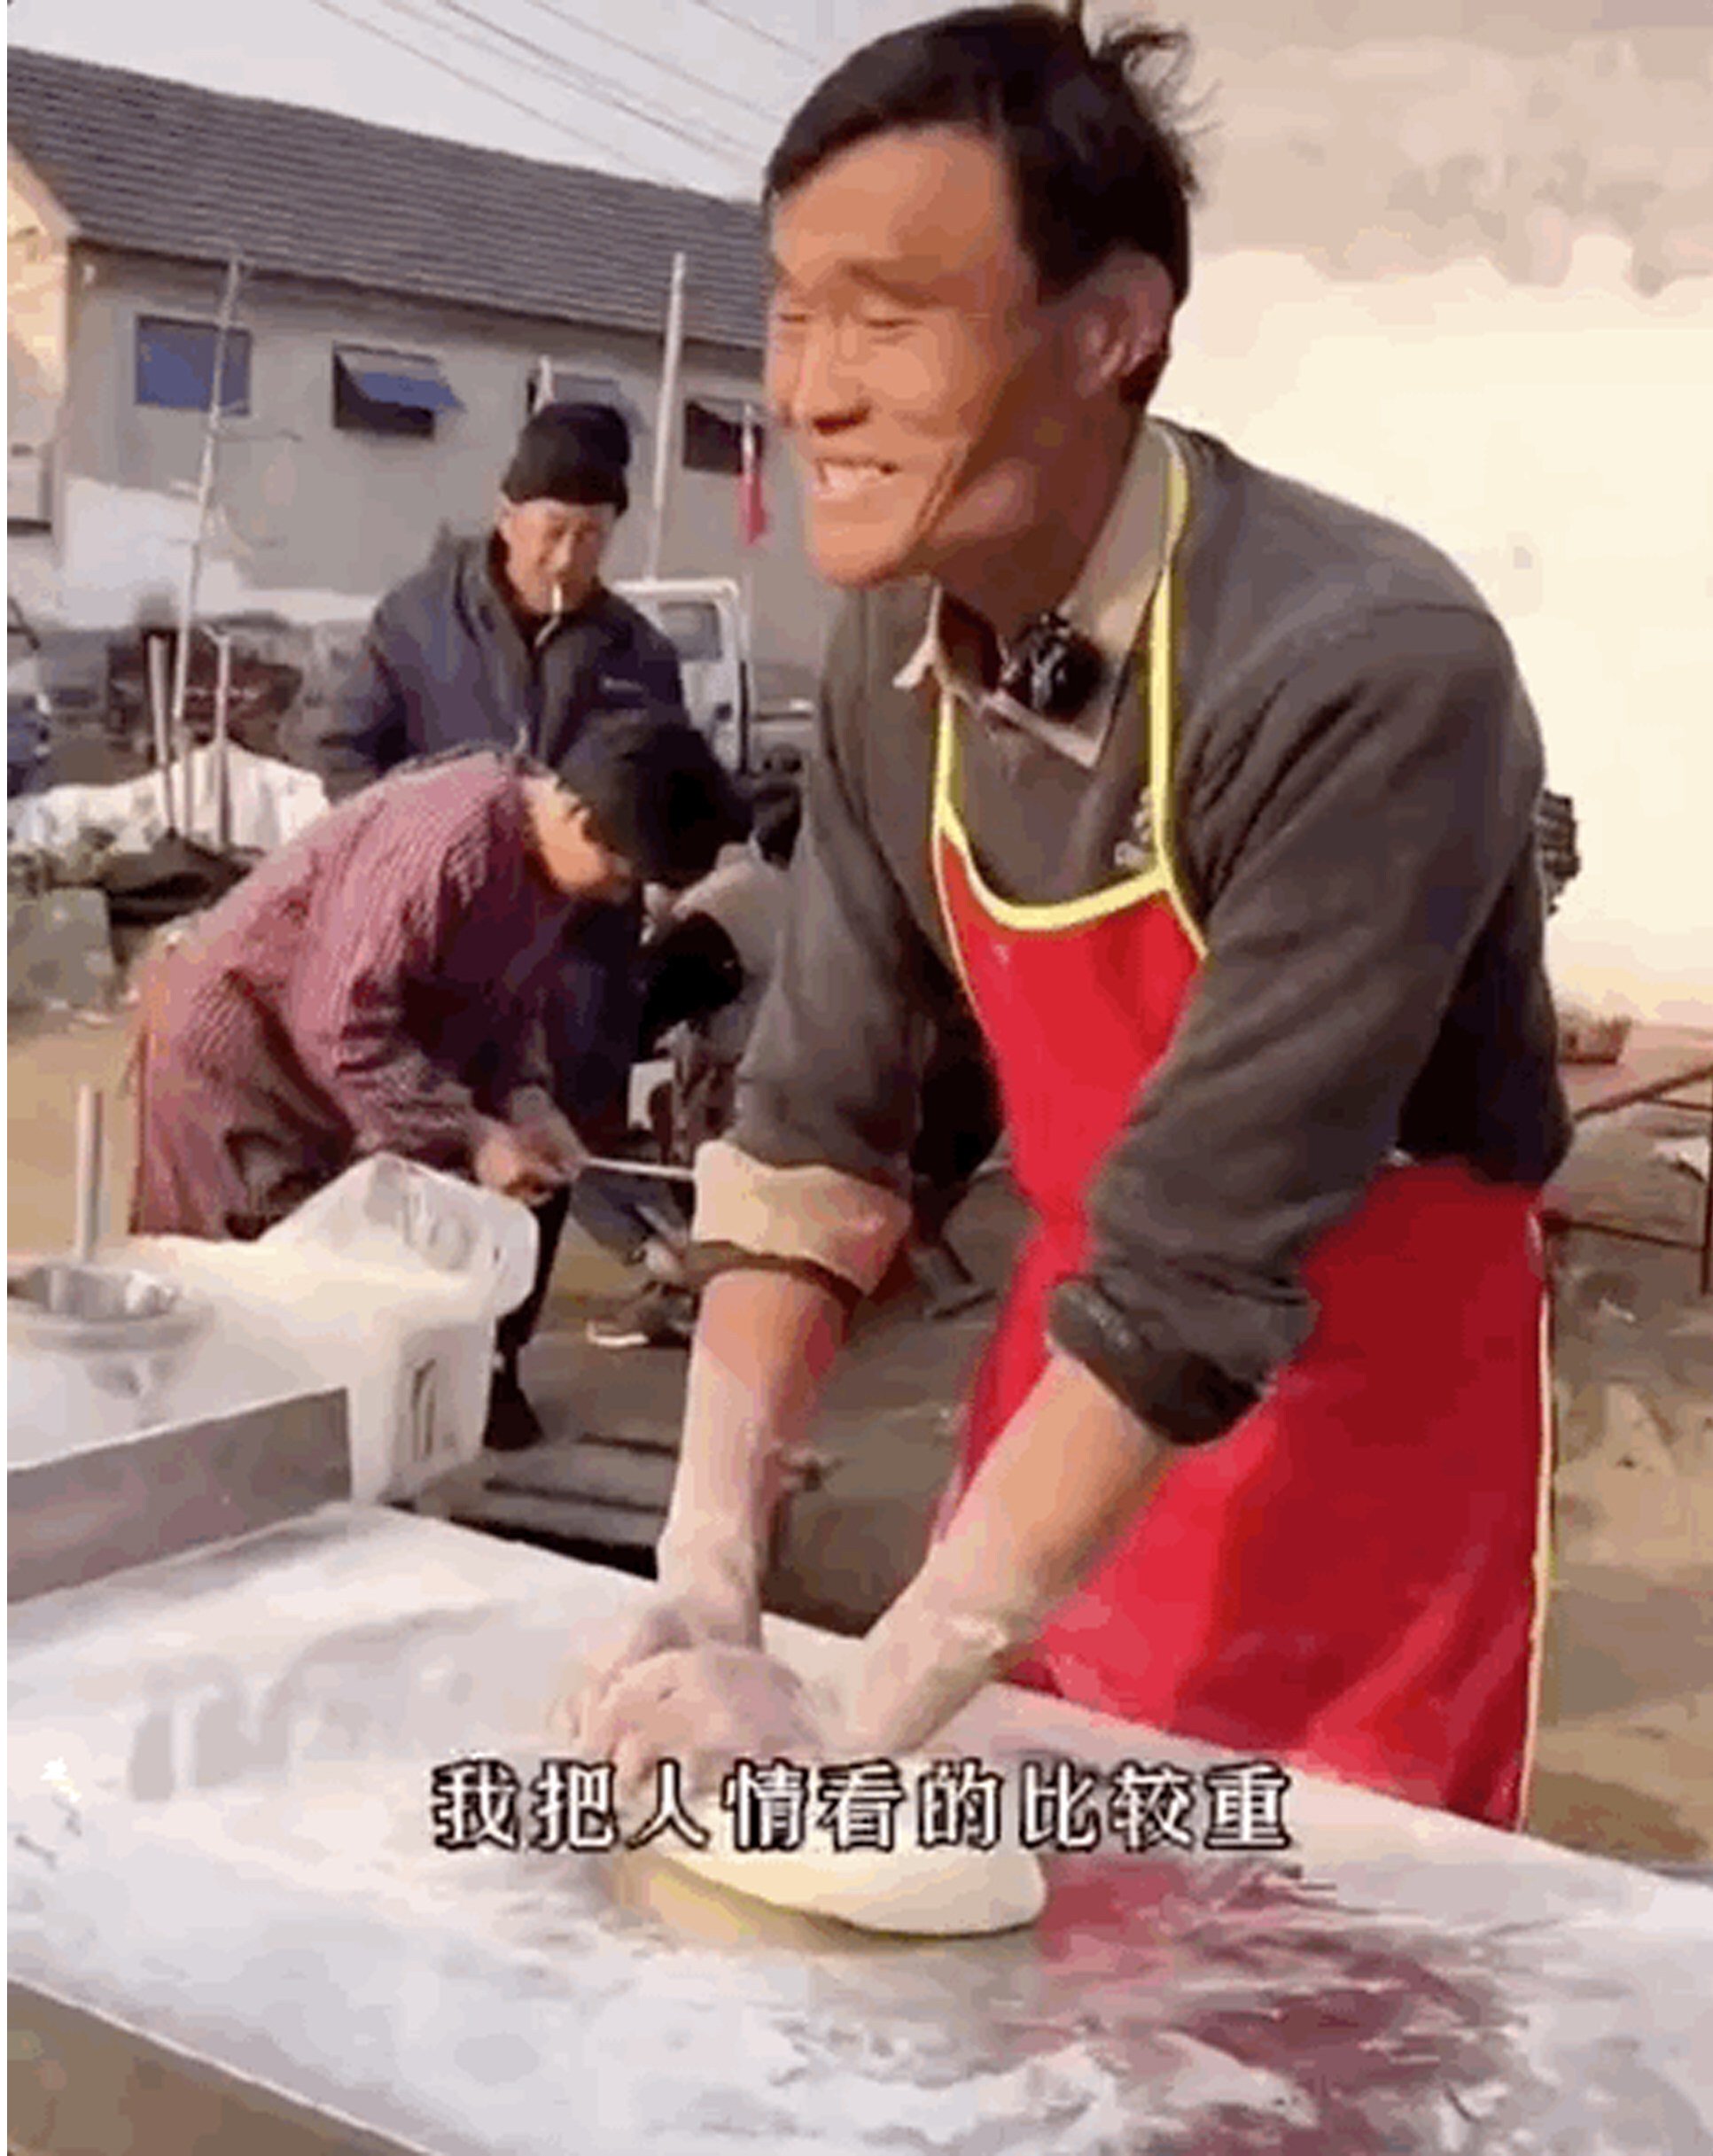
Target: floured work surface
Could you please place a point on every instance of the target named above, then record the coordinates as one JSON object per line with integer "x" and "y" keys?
{"x": 220, "y": 1835}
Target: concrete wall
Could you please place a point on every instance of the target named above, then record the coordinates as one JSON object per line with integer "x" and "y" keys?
{"x": 316, "y": 521}
{"x": 1469, "y": 282}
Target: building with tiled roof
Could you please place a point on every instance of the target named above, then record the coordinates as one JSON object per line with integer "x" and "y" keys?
{"x": 401, "y": 297}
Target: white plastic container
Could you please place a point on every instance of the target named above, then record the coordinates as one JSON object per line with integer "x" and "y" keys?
{"x": 390, "y": 1283}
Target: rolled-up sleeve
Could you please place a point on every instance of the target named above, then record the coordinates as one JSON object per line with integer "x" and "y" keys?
{"x": 1383, "y": 802}
{"x": 829, "y": 1094}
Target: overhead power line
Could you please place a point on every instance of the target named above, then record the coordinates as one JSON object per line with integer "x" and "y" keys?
{"x": 657, "y": 60}
{"x": 704, "y": 139}
{"x": 758, "y": 29}
{"x": 460, "y": 74}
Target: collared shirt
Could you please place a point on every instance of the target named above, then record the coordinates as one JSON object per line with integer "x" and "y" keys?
{"x": 1108, "y": 605}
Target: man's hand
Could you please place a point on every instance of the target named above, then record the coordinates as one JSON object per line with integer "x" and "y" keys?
{"x": 706, "y": 1708}
{"x": 504, "y": 1161}
{"x": 667, "y": 1627}
{"x": 533, "y": 1116}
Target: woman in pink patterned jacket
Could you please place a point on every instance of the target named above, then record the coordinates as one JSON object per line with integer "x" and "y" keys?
{"x": 377, "y": 986}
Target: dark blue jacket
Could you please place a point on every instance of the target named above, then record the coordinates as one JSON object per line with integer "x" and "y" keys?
{"x": 445, "y": 664}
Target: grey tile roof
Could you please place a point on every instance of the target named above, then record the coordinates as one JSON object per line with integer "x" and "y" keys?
{"x": 142, "y": 163}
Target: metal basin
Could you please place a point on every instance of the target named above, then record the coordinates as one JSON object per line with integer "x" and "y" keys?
{"x": 127, "y": 1331}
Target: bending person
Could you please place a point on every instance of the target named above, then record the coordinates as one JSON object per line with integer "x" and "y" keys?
{"x": 379, "y": 984}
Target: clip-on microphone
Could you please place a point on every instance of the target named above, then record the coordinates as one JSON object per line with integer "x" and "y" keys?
{"x": 1051, "y": 669}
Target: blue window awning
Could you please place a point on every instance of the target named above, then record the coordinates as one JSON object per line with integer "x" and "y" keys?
{"x": 403, "y": 381}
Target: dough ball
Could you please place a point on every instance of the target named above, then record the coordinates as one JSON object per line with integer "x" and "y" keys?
{"x": 926, "y": 1893}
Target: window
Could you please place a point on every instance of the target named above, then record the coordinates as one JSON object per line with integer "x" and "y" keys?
{"x": 569, "y": 387}
{"x": 714, "y": 435}
{"x": 175, "y": 365}
{"x": 389, "y": 393}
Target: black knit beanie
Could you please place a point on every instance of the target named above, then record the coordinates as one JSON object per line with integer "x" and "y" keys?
{"x": 571, "y": 453}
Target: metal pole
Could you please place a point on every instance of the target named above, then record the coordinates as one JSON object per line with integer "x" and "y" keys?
{"x": 154, "y": 659}
{"x": 746, "y": 614}
{"x": 87, "y": 1233}
{"x": 665, "y": 424}
{"x": 223, "y": 743}
{"x": 204, "y": 497}
{"x": 1707, "y": 1203}
{"x": 646, "y": 1170}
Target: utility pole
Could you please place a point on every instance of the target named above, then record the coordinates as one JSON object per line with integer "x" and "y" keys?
{"x": 159, "y": 697}
{"x": 752, "y": 521}
{"x": 223, "y": 743}
{"x": 666, "y": 423}
{"x": 178, "y": 733}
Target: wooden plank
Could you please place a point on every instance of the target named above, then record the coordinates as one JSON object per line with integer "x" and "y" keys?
{"x": 611, "y": 1527}
{"x": 630, "y": 1475}
{"x": 1655, "y": 1059}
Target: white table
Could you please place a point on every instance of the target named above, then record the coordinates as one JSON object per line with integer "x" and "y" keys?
{"x": 222, "y": 1856}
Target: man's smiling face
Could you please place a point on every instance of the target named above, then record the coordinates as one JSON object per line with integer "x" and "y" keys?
{"x": 911, "y": 360}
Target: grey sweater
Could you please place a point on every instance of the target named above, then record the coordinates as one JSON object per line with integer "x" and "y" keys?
{"x": 1357, "y": 773}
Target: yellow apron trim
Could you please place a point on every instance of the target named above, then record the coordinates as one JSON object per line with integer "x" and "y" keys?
{"x": 1542, "y": 1568}
{"x": 1161, "y": 698}
{"x": 1058, "y": 913}
{"x": 1162, "y": 879}
{"x": 943, "y": 819}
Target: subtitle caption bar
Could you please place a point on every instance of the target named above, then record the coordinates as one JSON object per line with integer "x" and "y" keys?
{"x": 1063, "y": 1807}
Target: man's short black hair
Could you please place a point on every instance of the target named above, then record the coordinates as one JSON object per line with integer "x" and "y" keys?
{"x": 1088, "y": 134}
{"x": 657, "y": 794}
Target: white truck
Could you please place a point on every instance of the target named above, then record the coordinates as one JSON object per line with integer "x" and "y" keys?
{"x": 706, "y": 620}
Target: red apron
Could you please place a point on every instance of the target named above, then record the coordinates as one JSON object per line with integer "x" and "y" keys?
{"x": 1352, "y": 1579}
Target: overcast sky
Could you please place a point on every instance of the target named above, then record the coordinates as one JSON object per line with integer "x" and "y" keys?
{"x": 706, "y": 96}
{"x": 693, "y": 92}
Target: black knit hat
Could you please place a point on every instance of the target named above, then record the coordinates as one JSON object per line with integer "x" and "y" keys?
{"x": 657, "y": 794}
{"x": 571, "y": 453}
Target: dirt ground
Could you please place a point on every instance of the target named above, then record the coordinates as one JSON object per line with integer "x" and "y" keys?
{"x": 1625, "y": 1751}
